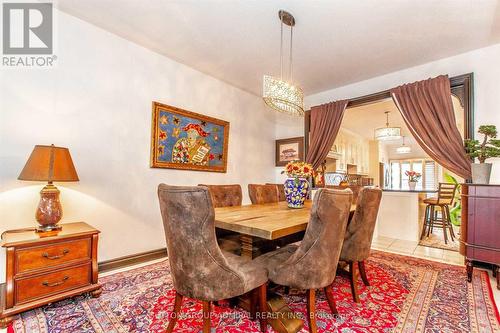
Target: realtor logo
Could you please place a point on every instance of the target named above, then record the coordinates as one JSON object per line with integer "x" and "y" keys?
{"x": 28, "y": 34}
{"x": 27, "y": 28}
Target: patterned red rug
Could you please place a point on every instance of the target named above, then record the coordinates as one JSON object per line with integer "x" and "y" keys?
{"x": 406, "y": 295}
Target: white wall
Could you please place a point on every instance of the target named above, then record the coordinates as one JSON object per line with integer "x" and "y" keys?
{"x": 97, "y": 102}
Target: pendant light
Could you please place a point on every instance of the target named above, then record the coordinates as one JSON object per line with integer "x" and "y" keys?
{"x": 403, "y": 149}
{"x": 279, "y": 94}
{"x": 387, "y": 133}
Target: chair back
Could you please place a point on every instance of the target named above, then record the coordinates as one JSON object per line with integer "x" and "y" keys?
{"x": 199, "y": 270}
{"x": 314, "y": 264}
{"x": 359, "y": 234}
{"x": 225, "y": 195}
{"x": 281, "y": 191}
{"x": 446, "y": 193}
{"x": 262, "y": 194}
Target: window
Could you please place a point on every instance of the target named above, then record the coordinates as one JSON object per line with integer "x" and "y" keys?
{"x": 427, "y": 168}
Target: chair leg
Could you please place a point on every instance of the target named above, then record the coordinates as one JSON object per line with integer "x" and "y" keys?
{"x": 206, "y": 317}
{"x": 254, "y": 298}
{"x": 426, "y": 221}
{"x": 311, "y": 310}
{"x": 175, "y": 313}
{"x": 362, "y": 272}
{"x": 444, "y": 224}
{"x": 331, "y": 300}
{"x": 452, "y": 233}
{"x": 354, "y": 281}
{"x": 431, "y": 221}
{"x": 262, "y": 292}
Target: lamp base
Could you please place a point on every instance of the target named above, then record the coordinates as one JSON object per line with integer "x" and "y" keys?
{"x": 49, "y": 210}
{"x": 48, "y": 228}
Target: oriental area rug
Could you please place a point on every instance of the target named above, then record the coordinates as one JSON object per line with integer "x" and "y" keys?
{"x": 406, "y": 295}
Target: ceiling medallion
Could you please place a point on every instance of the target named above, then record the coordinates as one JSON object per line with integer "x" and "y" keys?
{"x": 279, "y": 94}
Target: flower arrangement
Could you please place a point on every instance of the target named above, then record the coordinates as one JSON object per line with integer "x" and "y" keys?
{"x": 413, "y": 176}
{"x": 296, "y": 169}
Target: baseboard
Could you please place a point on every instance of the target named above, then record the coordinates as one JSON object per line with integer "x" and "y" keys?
{"x": 130, "y": 260}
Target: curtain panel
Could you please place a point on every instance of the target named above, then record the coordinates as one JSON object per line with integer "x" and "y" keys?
{"x": 325, "y": 125}
{"x": 427, "y": 110}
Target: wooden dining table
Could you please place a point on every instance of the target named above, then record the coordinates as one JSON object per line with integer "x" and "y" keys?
{"x": 269, "y": 222}
{"x": 266, "y": 221}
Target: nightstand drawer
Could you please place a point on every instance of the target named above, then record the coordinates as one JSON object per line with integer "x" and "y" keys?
{"x": 32, "y": 258}
{"x": 55, "y": 282}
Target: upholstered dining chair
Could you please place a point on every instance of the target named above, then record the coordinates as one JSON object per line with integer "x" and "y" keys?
{"x": 262, "y": 194}
{"x": 198, "y": 267}
{"x": 313, "y": 264}
{"x": 225, "y": 195}
{"x": 281, "y": 191}
{"x": 359, "y": 234}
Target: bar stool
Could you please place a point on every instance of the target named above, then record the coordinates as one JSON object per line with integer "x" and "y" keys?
{"x": 446, "y": 195}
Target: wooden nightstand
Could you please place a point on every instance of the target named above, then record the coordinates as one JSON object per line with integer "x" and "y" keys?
{"x": 46, "y": 267}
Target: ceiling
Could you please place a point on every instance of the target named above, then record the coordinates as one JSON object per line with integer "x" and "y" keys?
{"x": 335, "y": 42}
{"x": 363, "y": 120}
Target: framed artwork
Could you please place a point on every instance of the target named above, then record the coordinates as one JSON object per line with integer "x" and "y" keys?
{"x": 186, "y": 140}
{"x": 287, "y": 150}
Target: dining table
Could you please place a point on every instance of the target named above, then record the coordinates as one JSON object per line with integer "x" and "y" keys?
{"x": 265, "y": 221}
{"x": 270, "y": 221}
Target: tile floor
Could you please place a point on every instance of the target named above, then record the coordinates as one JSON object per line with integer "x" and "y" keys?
{"x": 410, "y": 248}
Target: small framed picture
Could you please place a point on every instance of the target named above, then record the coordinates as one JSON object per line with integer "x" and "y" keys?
{"x": 288, "y": 150}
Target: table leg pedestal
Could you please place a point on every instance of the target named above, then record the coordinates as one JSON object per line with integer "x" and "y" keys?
{"x": 281, "y": 318}
{"x": 246, "y": 246}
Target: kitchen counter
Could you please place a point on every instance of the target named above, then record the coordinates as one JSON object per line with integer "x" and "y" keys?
{"x": 401, "y": 213}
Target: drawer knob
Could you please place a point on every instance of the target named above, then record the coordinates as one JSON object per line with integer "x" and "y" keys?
{"x": 55, "y": 284}
{"x": 46, "y": 255}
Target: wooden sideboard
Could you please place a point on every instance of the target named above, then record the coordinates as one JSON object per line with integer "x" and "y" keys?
{"x": 46, "y": 267}
{"x": 480, "y": 228}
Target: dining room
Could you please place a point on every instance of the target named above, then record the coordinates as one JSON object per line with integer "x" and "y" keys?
{"x": 235, "y": 166}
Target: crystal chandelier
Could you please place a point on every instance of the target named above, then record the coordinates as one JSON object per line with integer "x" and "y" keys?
{"x": 280, "y": 94}
{"x": 387, "y": 133}
{"x": 403, "y": 149}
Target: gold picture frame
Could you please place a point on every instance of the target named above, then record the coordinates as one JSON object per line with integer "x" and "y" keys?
{"x": 185, "y": 140}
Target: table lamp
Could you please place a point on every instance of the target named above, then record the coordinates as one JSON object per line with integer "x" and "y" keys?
{"x": 49, "y": 163}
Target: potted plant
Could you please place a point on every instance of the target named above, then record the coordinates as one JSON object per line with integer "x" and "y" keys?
{"x": 456, "y": 210}
{"x": 296, "y": 185}
{"x": 413, "y": 178}
{"x": 489, "y": 147}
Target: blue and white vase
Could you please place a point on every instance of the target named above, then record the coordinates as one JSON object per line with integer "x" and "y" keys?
{"x": 296, "y": 190}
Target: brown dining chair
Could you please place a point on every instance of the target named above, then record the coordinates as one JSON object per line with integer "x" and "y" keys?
{"x": 262, "y": 194}
{"x": 359, "y": 235}
{"x": 281, "y": 191}
{"x": 225, "y": 195}
{"x": 445, "y": 198}
{"x": 199, "y": 268}
{"x": 313, "y": 264}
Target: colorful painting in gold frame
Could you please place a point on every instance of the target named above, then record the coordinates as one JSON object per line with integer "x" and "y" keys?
{"x": 186, "y": 140}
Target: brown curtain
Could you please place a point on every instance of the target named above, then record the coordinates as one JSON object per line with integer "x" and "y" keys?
{"x": 325, "y": 125}
{"x": 427, "y": 109}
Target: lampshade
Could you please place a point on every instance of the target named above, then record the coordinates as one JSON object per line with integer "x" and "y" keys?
{"x": 49, "y": 163}
{"x": 403, "y": 150}
{"x": 388, "y": 133}
{"x": 283, "y": 96}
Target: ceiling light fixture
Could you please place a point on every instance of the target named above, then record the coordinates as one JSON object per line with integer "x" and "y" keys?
{"x": 403, "y": 149}
{"x": 387, "y": 133}
{"x": 279, "y": 94}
